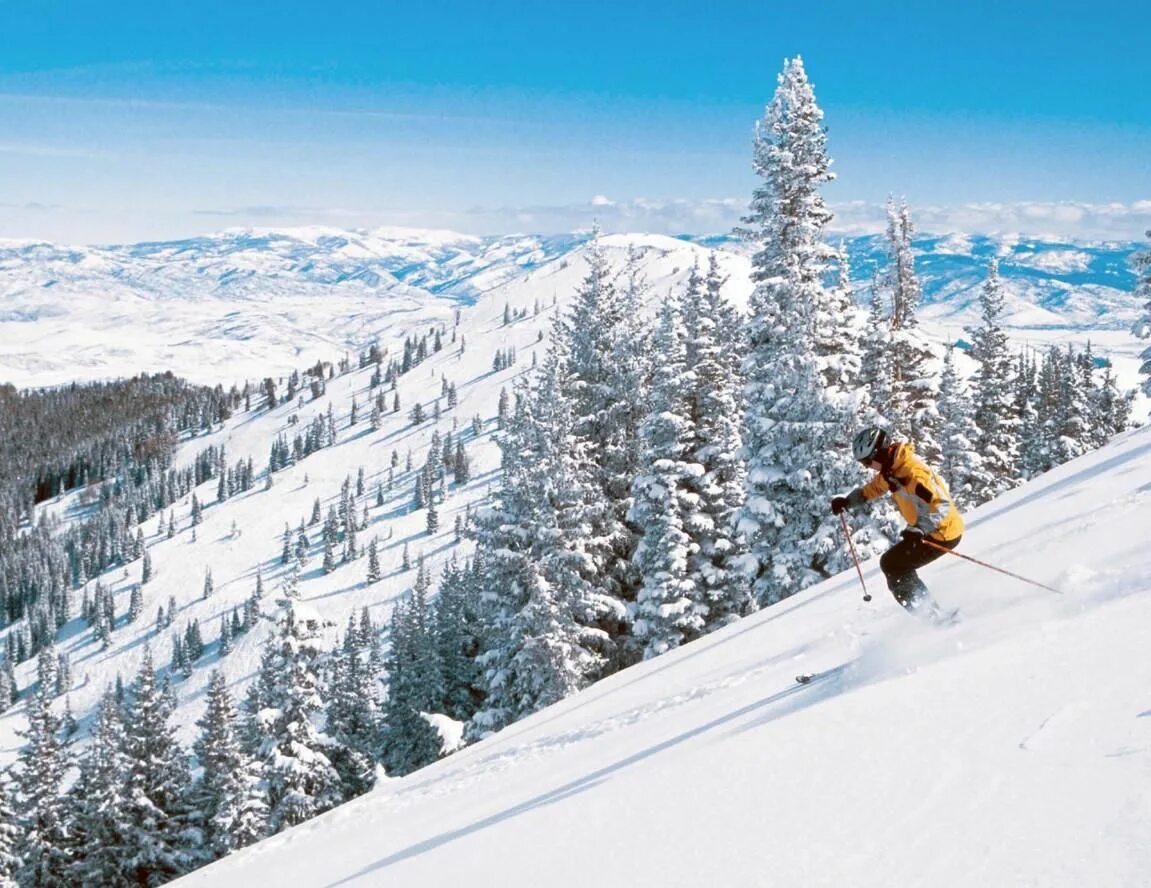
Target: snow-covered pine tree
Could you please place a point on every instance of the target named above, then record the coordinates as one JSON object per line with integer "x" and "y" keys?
{"x": 228, "y": 796}
{"x": 9, "y": 835}
{"x": 835, "y": 323}
{"x": 994, "y": 409}
{"x": 423, "y": 667}
{"x": 282, "y": 702}
{"x": 415, "y": 685}
{"x": 913, "y": 412}
{"x": 158, "y": 837}
{"x": 541, "y": 641}
{"x": 99, "y": 802}
{"x": 1074, "y": 420}
{"x": 604, "y": 384}
{"x": 960, "y": 462}
{"x": 1111, "y": 408}
{"x": 795, "y": 429}
{"x": 353, "y": 711}
{"x": 1141, "y": 262}
{"x": 135, "y": 603}
{"x": 1032, "y": 451}
{"x": 46, "y": 671}
{"x": 666, "y": 612}
{"x": 876, "y": 375}
{"x": 503, "y": 408}
{"x": 374, "y": 574}
{"x": 461, "y": 465}
{"x": 457, "y": 633}
{"x": 6, "y": 689}
{"x": 225, "y": 644}
{"x": 713, "y": 354}
{"x": 331, "y": 538}
{"x": 44, "y": 848}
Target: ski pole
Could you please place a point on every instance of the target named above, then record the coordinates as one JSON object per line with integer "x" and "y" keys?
{"x": 989, "y": 566}
{"x": 854, "y": 557}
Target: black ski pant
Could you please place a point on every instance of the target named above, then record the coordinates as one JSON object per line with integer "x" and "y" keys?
{"x": 900, "y": 563}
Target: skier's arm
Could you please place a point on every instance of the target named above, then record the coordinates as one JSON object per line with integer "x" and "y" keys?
{"x": 851, "y": 501}
{"x": 873, "y": 489}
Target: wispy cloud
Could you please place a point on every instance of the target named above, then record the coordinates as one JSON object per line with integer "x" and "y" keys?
{"x": 31, "y": 206}
{"x": 262, "y": 212}
{"x": 1074, "y": 219}
{"x": 659, "y": 216}
{"x": 107, "y": 102}
{"x": 301, "y": 109}
{"x": 286, "y": 212}
{"x": 29, "y": 149}
{"x": 1079, "y": 220}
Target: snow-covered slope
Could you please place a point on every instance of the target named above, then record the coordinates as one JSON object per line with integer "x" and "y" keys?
{"x": 1011, "y": 749}
{"x": 249, "y": 303}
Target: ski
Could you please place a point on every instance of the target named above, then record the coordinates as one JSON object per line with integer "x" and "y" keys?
{"x": 808, "y": 677}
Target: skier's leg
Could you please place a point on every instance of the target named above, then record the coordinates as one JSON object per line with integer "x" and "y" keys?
{"x": 899, "y": 565}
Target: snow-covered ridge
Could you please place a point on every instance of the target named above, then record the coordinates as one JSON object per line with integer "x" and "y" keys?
{"x": 257, "y": 301}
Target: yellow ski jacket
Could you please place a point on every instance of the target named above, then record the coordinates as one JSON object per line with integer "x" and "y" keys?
{"x": 921, "y": 495}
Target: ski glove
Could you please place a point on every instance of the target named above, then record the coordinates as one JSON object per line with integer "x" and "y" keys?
{"x": 838, "y": 505}
{"x": 912, "y": 535}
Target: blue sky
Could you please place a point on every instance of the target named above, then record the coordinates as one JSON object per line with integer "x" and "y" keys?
{"x": 129, "y": 120}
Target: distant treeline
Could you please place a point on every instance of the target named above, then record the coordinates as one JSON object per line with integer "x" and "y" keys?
{"x": 119, "y": 435}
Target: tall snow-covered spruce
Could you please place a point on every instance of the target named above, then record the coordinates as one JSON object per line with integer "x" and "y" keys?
{"x": 540, "y": 614}
{"x": 280, "y": 732}
{"x": 714, "y": 353}
{"x": 795, "y": 426}
{"x": 229, "y": 795}
{"x": 605, "y": 344}
{"x": 667, "y": 609}
{"x": 913, "y": 409}
{"x": 959, "y": 464}
{"x": 995, "y": 413}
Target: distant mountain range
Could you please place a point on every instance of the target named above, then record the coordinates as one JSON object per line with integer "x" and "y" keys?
{"x": 261, "y": 300}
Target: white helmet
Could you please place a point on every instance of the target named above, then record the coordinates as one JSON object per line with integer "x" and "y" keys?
{"x": 869, "y": 442}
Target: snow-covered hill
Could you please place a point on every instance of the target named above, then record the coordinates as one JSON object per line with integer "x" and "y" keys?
{"x": 1011, "y": 749}
{"x": 250, "y": 303}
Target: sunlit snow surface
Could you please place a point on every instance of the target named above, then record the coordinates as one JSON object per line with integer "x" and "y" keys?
{"x": 1011, "y": 749}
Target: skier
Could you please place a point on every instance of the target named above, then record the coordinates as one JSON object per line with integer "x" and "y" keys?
{"x": 923, "y": 501}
